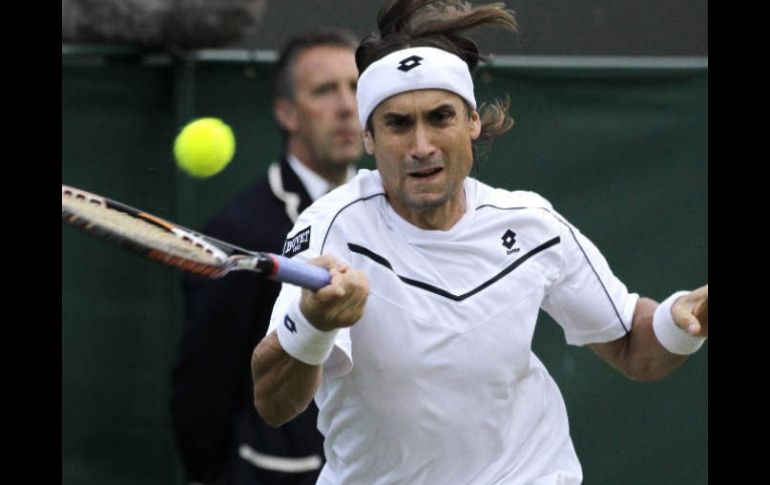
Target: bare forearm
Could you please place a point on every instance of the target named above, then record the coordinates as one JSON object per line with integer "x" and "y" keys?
{"x": 639, "y": 355}
{"x": 283, "y": 386}
{"x": 647, "y": 359}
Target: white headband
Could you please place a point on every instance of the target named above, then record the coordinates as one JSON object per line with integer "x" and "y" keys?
{"x": 411, "y": 69}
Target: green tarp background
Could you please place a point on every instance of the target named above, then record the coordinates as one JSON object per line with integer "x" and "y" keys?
{"x": 622, "y": 152}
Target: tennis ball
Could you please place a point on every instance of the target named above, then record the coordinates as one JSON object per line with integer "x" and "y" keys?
{"x": 204, "y": 147}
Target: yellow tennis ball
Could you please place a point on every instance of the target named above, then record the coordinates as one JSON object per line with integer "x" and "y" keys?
{"x": 204, "y": 147}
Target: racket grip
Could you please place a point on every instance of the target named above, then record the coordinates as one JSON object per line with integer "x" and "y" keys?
{"x": 299, "y": 273}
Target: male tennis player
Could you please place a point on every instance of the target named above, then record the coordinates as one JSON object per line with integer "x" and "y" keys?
{"x": 419, "y": 353}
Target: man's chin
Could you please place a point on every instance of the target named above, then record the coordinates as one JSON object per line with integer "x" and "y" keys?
{"x": 343, "y": 158}
{"x": 427, "y": 202}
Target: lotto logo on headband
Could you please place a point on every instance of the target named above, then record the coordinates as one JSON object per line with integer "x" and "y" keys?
{"x": 395, "y": 73}
{"x": 409, "y": 63}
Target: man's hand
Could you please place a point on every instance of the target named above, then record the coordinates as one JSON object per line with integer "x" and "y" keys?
{"x": 691, "y": 312}
{"x": 340, "y": 303}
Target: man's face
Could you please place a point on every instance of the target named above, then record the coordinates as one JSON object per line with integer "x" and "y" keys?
{"x": 421, "y": 142}
{"x": 322, "y": 119}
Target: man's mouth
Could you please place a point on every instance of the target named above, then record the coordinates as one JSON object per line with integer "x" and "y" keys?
{"x": 425, "y": 173}
{"x": 345, "y": 133}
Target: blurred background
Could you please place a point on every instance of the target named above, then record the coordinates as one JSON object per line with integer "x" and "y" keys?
{"x": 610, "y": 101}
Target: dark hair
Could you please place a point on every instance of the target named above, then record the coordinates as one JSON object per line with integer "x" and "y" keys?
{"x": 282, "y": 79}
{"x": 440, "y": 24}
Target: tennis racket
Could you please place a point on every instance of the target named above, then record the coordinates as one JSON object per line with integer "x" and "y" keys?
{"x": 177, "y": 246}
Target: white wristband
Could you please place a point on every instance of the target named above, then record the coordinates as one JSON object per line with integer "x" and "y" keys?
{"x": 669, "y": 334}
{"x": 303, "y": 341}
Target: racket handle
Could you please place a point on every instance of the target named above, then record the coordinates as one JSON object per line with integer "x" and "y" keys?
{"x": 299, "y": 273}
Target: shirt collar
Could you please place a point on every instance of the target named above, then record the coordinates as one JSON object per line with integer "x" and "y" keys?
{"x": 315, "y": 185}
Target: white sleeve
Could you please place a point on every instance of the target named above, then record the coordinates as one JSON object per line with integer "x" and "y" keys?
{"x": 587, "y": 300}
{"x": 340, "y": 362}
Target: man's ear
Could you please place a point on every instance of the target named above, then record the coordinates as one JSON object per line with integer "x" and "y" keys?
{"x": 286, "y": 114}
{"x": 368, "y": 142}
{"x": 475, "y": 125}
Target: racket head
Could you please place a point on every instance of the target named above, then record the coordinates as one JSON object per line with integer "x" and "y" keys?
{"x": 148, "y": 235}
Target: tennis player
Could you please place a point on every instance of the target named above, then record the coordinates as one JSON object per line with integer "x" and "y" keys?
{"x": 418, "y": 353}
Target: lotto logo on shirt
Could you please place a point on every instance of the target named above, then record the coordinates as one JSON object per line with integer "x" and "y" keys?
{"x": 297, "y": 244}
{"x": 509, "y": 239}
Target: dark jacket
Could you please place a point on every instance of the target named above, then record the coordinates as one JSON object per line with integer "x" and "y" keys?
{"x": 217, "y": 429}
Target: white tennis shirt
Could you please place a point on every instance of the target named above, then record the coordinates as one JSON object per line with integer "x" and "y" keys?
{"x": 437, "y": 383}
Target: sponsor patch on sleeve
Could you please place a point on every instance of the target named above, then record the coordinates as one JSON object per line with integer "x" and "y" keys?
{"x": 297, "y": 243}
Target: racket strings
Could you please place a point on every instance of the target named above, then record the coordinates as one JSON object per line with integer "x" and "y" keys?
{"x": 125, "y": 226}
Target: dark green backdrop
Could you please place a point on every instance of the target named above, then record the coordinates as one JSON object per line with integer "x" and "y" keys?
{"x": 622, "y": 152}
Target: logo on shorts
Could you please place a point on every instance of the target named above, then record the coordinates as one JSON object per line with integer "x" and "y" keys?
{"x": 409, "y": 63}
{"x": 297, "y": 244}
{"x": 509, "y": 240}
{"x": 289, "y": 323}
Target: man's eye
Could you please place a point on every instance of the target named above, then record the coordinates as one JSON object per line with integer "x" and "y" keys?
{"x": 441, "y": 116}
{"x": 324, "y": 90}
{"x": 397, "y": 122}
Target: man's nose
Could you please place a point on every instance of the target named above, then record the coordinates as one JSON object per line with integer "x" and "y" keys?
{"x": 423, "y": 147}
